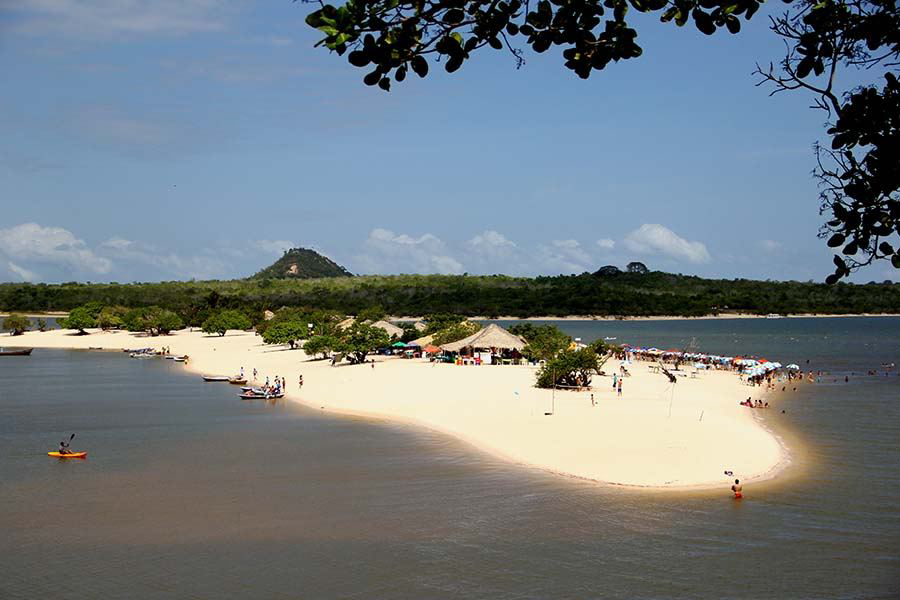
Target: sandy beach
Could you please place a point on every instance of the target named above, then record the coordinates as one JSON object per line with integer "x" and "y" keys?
{"x": 648, "y": 437}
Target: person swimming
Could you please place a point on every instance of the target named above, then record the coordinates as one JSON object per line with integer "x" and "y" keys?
{"x": 737, "y": 488}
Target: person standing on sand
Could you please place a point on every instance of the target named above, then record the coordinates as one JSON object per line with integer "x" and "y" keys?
{"x": 737, "y": 488}
{"x": 615, "y": 378}
{"x": 254, "y": 373}
{"x": 619, "y": 389}
{"x": 592, "y": 401}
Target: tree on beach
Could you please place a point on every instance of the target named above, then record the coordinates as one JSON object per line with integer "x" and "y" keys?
{"x": 153, "y": 320}
{"x": 544, "y": 341}
{"x": 16, "y": 324}
{"x": 42, "y": 324}
{"x": 285, "y": 332}
{"x": 371, "y": 314}
{"x": 454, "y": 333}
{"x": 111, "y": 317}
{"x": 224, "y": 320}
{"x": 360, "y": 339}
{"x": 80, "y": 319}
{"x": 320, "y": 344}
{"x": 569, "y": 368}
{"x": 436, "y": 322}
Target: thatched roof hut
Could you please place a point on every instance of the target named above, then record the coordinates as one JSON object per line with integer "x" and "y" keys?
{"x": 492, "y": 336}
{"x": 391, "y": 329}
{"x": 424, "y": 341}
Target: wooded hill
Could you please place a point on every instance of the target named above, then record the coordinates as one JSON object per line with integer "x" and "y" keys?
{"x": 302, "y": 263}
{"x": 610, "y": 293}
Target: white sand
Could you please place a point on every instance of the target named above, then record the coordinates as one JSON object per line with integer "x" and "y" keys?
{"x": 630, "y": 440}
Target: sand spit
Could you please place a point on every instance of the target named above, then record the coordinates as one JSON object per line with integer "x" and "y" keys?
{"x": 651, "y": 436}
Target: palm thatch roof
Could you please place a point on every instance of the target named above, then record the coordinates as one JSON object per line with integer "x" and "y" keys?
{"x": 492, "y": 336}
{"x": 424, "y": 341}
{"x": 391, "y": 329}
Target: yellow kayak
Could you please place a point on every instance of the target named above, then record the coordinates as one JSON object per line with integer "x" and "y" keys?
{"x": 69, "y": 455}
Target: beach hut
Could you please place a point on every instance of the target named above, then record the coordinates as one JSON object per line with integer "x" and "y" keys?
{"x": 491, "y": 344}
{"x": 391, "y": 329}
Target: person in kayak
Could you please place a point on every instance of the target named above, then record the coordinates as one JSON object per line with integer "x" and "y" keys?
{"x": 64, "y": 448}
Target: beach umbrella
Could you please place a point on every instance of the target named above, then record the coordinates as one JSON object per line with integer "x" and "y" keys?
{"x": 432, "y": 349}
{"x": 398, "y": 345}
{"x": 793, "y": 367}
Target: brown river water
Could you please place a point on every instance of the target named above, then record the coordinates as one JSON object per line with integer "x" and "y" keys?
{"x": 190, "y": 493}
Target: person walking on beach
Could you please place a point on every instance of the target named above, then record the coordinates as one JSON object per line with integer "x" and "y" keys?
{"x": 619, "y": 388}
{"x": 737, "y": 488}
{"x": 615, "y": 379}
{"x": 592, "y": 401}
{"x": 300, "y": 381}
{"x": 254, "y": 373}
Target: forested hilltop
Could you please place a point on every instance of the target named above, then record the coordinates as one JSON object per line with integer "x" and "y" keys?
{"x": 612, "y": 293}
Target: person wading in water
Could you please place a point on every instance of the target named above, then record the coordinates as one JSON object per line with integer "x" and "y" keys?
{"x": 737, "y": 488}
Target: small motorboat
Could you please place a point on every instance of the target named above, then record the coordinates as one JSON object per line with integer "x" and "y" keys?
{"x": 24, "y": 352}
{"x": 212, "y": 378}
{"x": 169, "y": 357}
{"x": 180, "y": 358}
{"x": 142, "y": 355}
{"x": 137, "y": 350}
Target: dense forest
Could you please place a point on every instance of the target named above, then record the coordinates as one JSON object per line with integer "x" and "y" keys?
{"x": 611, "y": 292}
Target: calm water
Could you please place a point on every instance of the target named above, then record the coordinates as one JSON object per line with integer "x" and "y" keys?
{"x": 191, "y": 493}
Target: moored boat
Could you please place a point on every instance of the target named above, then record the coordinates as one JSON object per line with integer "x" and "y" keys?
{"x": 23, "y": 352}
{"x": 215, "y": 378}
{"x": 237, "y": 380}
{"x": 263, "y": 396}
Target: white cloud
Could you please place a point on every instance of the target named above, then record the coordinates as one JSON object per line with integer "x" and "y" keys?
{"x": 92, "y": 18}
{"x": 25, "y": 274}
{"x": 274, "y": 246}
{"x": 389, "y": 252}
{"x": 30, "y": 242}
{"x": 168, "y": 263}
{"x": 769, "y": 245}
{"x": 566, "y": 256}
{"x": 651, "y": 238}
{"x": 492, "y": 252}
{"x": 606, "y": 243}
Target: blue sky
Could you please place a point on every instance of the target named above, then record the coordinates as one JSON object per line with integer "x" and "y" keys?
{"x": 198, "y": 138}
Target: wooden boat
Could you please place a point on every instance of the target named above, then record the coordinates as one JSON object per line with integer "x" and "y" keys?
{"x": 180, "y": 358}
{"x": 214, "y": 378}
{"x": 24, "y": 352}
{"x": 252, "y": 396}
{"x": 237, "y": 380}
{"x": 142, "y": 355}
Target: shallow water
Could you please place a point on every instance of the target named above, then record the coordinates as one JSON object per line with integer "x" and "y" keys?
{"x": 190, "y": 493}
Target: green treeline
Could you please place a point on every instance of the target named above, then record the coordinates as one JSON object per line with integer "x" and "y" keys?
{"x": 625, "y": 294}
